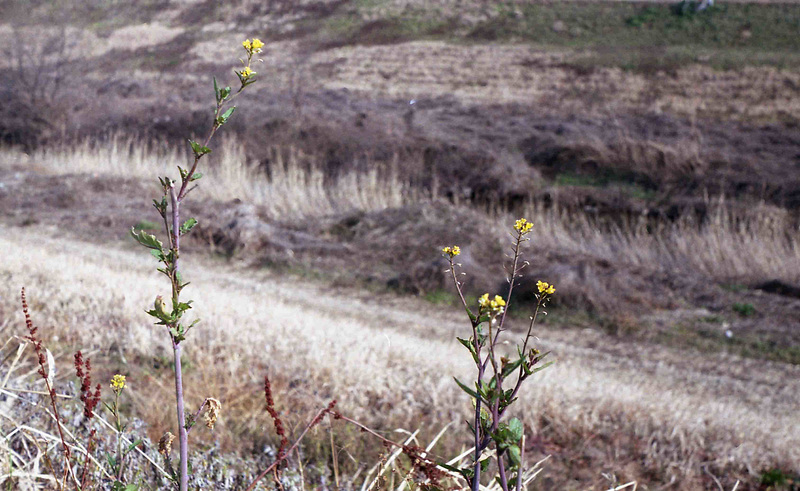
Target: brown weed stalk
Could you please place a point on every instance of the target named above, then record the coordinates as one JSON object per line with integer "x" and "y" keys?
{"x": 280, "y": 458}
{"x": 39, "y": 349}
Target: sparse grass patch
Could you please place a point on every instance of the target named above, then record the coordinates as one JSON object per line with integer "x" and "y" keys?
{"x": 440, "y": 297}
{"x": 744, "y": 309}
{"x": 625, "y": 184}
{"x": 739, "y": 343}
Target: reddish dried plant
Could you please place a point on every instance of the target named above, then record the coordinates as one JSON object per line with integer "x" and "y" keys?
{"x": 84, "y": 372}
{"x": 51, "y": 391}
{"x": 36, "y": 341}
{"x": 276, "y": 419}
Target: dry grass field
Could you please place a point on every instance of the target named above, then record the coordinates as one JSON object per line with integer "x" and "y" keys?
{"x": 655, "y": 149}
{"x": 624, "y": 409}
{"x": 646, "y": 408}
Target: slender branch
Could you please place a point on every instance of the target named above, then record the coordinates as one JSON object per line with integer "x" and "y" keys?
{"x": 196, "y": 415}
{"x": 458, "y": 287}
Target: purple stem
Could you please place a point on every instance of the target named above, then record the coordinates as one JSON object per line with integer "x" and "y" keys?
{"x": 476, "y": 481}
{"x": 183, "y": 435}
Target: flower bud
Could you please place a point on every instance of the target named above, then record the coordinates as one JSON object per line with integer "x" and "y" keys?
{"x": 161, "y": 306}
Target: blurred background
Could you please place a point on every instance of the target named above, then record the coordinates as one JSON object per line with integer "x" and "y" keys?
{"x": 655, "y": 145}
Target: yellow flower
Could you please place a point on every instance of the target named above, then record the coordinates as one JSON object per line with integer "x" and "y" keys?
{"x": 118, "y": 383}
{"x": 545, "y": 287}
{"x": 247, "y": 45}
{"x": 452, "y": 251}
{"x": 496, "y": 304}
{"x": 523, "y": 226}
{"x": 247, "y": 72}
{"x": 257, "y": 45}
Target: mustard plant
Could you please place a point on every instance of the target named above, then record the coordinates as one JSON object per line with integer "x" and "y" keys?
{"x": 498, "y": 378}
{"x": 117, "y": 462}
{"x": 170, "y": 314}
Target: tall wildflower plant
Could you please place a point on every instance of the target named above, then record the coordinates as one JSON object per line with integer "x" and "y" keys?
{"x": 170, "y": 313}
{"x": 498, "y": 378}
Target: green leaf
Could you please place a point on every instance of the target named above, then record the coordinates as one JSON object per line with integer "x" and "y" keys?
{"x": 467, "y": 389}
{"x": 183, "y": 172}
{"x": 224, "y": 117}
{"x": 110, "y": 409}
{"x": 196, "y": 176}
{"x": 224, "y": 93}
{"x": 509, "y": 369}
{"x": 470, "y": 346}
{"x": 216, "y": 90}
{"x": 515, "y": 429}
{"x": 514, "y": 454}
{"x": 187, "y": 226}
{"x": 539, "y": 369}
{"x": 132, "y": 446}
{"x": 178, "y": 334}
{"x": 147, "y": 240}
{"x": 183, "y": 307}
{"x": 161, "y": 206}
{"x": 198, "y": 149}
{"x": 157, "y": 254}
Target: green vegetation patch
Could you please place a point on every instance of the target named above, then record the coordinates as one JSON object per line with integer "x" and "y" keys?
{"x": 623, "y": 183}
{"x": 633, "y": 36}
{"x": 714, "y": 340}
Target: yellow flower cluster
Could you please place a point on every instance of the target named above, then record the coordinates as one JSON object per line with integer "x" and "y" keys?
{"x": 496, "y": 304}
{"x": 247, "y": 72}
{"x": 545, "y": 287}
{"x": 452, "y": 251}
{"x": 118, "y": 383}
{"x": 523, "y": 226}
{"x": 253, "y": 46}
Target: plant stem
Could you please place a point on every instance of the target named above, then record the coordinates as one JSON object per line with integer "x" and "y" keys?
{"x": 183, "y": 435}
{"x": 119, "y": 436}
{"x": 501, "y": 468}
{"x": 518, "y": 485}
{"x": 476, "y": 481}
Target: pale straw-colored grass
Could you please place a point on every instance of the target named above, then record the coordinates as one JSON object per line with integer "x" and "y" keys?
{"x": 294, "y": 185}
{"x": 757, "y": 244}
